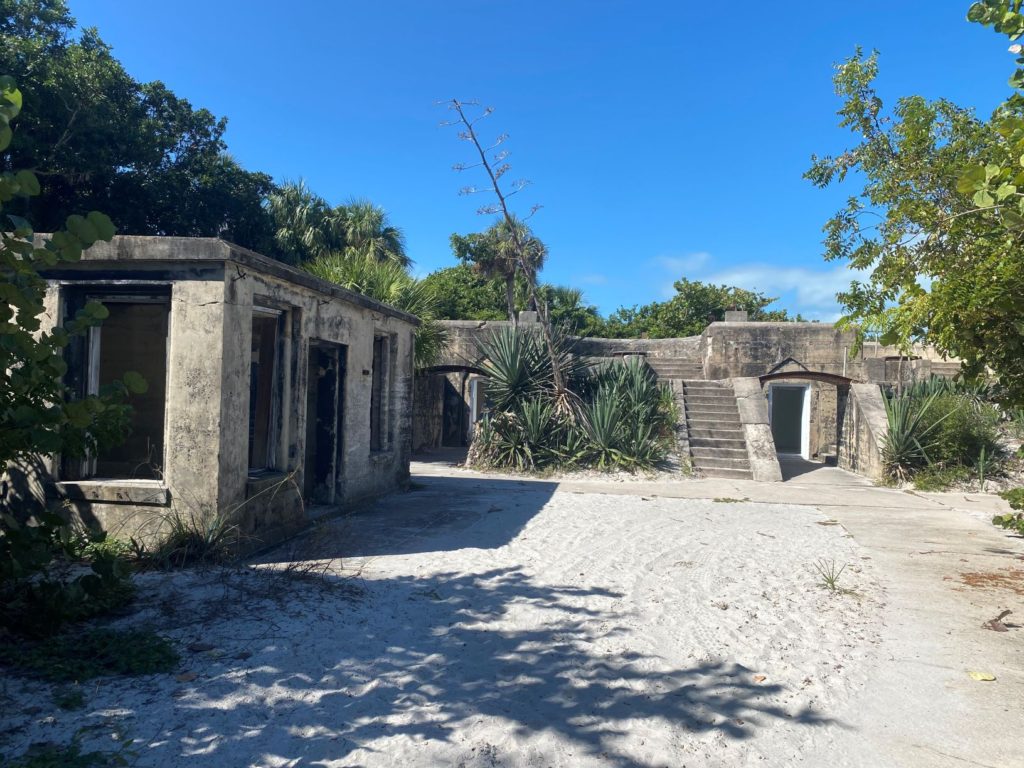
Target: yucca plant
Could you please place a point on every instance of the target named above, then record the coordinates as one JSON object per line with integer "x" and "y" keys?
{"x": 540, "y": 433}
{"x": 615, "y": 416}
{"x": 600, "y": 423}
{"x": 513, "y": 361}
{"x": 905, "y": 445}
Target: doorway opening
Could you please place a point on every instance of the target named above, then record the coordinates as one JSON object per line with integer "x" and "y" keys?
{"x": 325, "y": 401}
{"x": 789, "y": 414}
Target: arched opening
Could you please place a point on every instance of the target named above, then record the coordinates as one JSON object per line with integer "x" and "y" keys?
{"x": 448, "y": 401}
{"x": 806, "y": 410}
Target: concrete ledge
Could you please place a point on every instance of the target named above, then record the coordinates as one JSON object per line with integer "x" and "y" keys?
{"x": 141, "y": 492}
{"x": 753, "y": 408}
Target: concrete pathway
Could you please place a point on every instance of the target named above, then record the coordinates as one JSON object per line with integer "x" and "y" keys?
{"x": 946, "y": 571}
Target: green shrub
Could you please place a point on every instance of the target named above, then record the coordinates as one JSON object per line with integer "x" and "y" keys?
{"x": 1014, "y": 497}
{"x": 616, "y": 416}
{"x": 194, "y": 537}
{"x": 940, "y": 433}
{"x": 41, "y": 589}
{"x": 908, "y": 438}
{"x": 80, "y": 656}
{"x": 962, "y": 429}
{"x": 939, "y": 478}
{"x": 1012, "y": 521}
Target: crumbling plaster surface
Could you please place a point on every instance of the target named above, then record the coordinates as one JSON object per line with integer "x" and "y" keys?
{"x": 865, "y": 426}
{"x": 753, "y": 408}
{"x": 214, "y": 286}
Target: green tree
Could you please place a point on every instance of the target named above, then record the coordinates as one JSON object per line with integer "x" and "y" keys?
{"x": 304, "y": 225}
{"x": 388, "y": 282}
{"x": 99, "y": 139}
{"x": 503, "y": 251}
{"x": 369, "y": 232}
{"x": 462, "y": 293}
{"x": 689, "y": 312}
{"x": 36, "y": 414}
{"x": 936, "y": 223}
{"x": 570, "y": 311}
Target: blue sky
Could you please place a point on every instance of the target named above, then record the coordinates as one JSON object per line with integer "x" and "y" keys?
{"x": 664, "y": 139}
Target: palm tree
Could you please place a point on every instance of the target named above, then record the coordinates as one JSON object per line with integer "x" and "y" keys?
{"x": 302, "y": 223}
{"x": 388, "y": 282}
{"x": 493, "y": 254}
{"x": 368, "y": 231}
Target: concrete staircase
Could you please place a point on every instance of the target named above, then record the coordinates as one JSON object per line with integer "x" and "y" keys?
{"x": 669, "y": 368}
{"x": 717, "y": 445}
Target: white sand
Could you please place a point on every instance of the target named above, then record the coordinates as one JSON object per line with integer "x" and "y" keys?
{"x": 506, "y": 625}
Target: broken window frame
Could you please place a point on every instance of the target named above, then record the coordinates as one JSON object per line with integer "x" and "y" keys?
{"x": 381, "y": 367}
{"x": 76, "y": 296}
{"x": 273, "y": 415}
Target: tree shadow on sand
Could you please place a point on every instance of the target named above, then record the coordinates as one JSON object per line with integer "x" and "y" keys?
{"x": 426, "y": 657}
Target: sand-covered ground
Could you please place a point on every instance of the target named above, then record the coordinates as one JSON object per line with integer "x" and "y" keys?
{"x": 489, "y": 622}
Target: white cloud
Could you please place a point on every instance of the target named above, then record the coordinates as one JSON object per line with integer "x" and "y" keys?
{"x": 594, "y": 279}
{"x": 679, "y": 266}
{"x": 813, "y": 288}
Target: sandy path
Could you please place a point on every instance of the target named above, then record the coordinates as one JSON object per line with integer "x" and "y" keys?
{"x": 501, "y": 623}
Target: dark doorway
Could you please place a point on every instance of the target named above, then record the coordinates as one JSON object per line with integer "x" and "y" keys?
{"x": 787, "y": 418}
{"x": 324, "y": 409}
{"x": 453, "y": 421}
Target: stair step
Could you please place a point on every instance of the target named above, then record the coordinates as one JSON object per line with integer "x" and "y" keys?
{"x": 726, "y": 472}
{"x": 713, "y": 411}
{"x": 708, "y": 403}
{"x": 708, "y": 422}
{"x": 737, "y": 443}
{"x": 715, "y": 452}
{"x": 707, "y": 462}
{"x": 724, "y": 432}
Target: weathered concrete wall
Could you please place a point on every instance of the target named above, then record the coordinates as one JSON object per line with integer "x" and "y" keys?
{"x": 754, "y": 349}
{"x": 427, "y": 411}
{"x": 864, "y": 428}
{"x": 464, "y": 337}
{"x": 687, "y": 348}
{"x": 753, "y": 408}
{"x": 214, "y": 287}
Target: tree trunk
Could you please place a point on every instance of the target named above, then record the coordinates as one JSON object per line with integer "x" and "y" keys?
{"x": 510, "y": 296}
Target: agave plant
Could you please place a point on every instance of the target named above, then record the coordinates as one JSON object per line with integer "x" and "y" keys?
{"x": 600, "y": 423}
{"x": 514, "y": 362}
{"x": 905, "y": 445}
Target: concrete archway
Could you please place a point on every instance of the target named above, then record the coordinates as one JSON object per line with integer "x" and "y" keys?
{"x": 782, "y": 435}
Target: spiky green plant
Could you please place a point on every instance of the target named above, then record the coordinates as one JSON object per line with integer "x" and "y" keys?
{"x": 906, "y": 442}
{"x": 514, "y": 362}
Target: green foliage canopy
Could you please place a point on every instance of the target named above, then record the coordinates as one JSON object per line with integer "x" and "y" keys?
{"x": 36, "y": 416}
{"x": 688, "y": 313}
{"x": 939, "y": 219}
{"x": 154, "y": 163}
{"x": 492, "y": 254}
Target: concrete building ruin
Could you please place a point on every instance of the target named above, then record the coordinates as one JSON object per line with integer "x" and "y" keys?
{"x": 750, "y": 391}
{"x": 272, "y": 394}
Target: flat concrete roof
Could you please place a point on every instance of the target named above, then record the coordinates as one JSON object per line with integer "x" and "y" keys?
{"x": 160, "y": 250}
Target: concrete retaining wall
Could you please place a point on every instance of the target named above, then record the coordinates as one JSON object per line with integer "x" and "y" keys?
{"x": 864, "y": 427}
{"x": 753, "y": 408}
